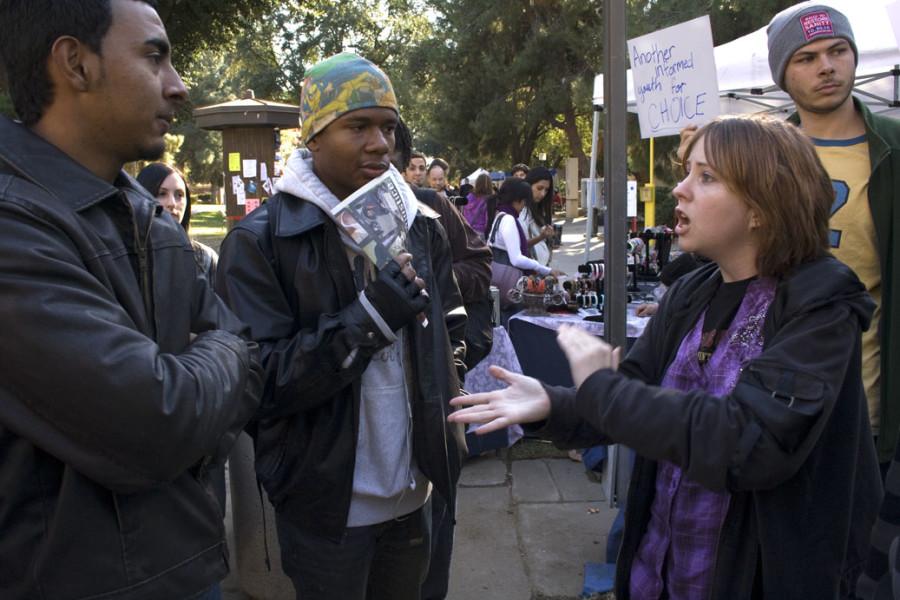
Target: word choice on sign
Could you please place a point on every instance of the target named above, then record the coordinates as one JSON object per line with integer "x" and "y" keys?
{"x": 673, "y": 72}
{"x": 676, "y": 110}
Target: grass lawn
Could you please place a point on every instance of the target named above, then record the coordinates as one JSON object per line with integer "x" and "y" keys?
{"x": 208, "y": 224}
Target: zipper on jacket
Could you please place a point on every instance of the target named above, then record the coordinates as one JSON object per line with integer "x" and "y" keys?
{"x": 143, "y": 263}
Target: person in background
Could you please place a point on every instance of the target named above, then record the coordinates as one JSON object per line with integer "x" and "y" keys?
{"x": 537, "y": 216}
{"x": 414, "y": 173}
{"x": 684, "y": 264}
{"x": 507, "y": 237}
{"x": 475, "y": 209}
{"x": 755, "y": 474}
{"x": 519, "y": 171}
{"x": 436, "y": 176}
{"x": 472, "y": 268}
{"x": 169, "y": 187}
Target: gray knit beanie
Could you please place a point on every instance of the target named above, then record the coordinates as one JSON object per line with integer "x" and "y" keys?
{"x": 799, "y": 25}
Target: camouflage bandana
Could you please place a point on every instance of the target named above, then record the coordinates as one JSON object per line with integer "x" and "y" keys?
{"x": 338, "y": 85}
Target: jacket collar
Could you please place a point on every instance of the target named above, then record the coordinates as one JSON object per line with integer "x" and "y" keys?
{"x": 40, "y": 162}
{"x": 296, "y": 216}
{"x": 878, "y": 148}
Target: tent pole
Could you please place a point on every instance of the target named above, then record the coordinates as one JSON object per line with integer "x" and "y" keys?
{"x": 592, "y": 186}
{"x": 614, "y": 172}
{"x": 896, "y": 85}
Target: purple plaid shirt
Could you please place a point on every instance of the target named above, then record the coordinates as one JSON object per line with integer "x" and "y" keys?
{"x": 678, "y": 552}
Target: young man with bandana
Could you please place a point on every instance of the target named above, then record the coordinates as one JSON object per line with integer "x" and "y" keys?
{"x": 352, "y": 434}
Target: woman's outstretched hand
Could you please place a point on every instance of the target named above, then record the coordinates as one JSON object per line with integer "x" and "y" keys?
{"x": 524, "y": 401}
{"x": 586, "y": 353}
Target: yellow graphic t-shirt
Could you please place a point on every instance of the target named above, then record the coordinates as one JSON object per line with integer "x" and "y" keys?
{"x": 853, "y": 242}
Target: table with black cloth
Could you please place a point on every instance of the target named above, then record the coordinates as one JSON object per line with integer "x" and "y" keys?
{"x": 534, "y": 340}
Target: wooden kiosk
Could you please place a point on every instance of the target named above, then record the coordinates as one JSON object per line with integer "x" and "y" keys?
{"x": 250, "y": 140}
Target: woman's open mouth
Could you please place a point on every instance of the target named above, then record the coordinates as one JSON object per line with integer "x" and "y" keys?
{"x": 682, "y": 222}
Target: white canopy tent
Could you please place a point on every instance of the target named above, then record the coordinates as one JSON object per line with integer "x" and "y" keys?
{"x": 474, "y": 175}
{"x": 745, "y": 85}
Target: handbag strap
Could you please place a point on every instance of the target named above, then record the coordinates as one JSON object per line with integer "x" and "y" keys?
{"x": 494, "y": 226}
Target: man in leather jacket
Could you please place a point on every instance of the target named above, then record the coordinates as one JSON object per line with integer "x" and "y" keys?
{"x": 360, "y": 362}
{"x": 113, "y": 408}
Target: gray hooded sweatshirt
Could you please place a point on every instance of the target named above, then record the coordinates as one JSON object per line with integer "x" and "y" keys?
{"x": 386, "y": 481}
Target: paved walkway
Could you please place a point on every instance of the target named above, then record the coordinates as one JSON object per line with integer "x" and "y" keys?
{"x": 525, "y": 529}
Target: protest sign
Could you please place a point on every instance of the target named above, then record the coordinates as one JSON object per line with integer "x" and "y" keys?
{"x": 675, "y": 83}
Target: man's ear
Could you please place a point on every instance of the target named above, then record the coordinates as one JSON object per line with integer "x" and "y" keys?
{"x": 313, "y": 145}
{"x": 73, "y": 64}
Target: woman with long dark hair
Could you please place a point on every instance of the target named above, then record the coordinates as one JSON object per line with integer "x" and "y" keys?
{"x": 170, "y": 188}
{"x": 537, "y": 216}
{"x": 508, "y": 243}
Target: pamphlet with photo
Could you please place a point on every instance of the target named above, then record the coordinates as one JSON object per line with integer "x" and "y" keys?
{"x": 375, "y": 217}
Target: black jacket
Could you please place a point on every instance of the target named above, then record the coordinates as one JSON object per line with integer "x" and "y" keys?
{"x": 791, "y": 443}
{"x": 284, "y": 270}
{"x": 110, "y": 415}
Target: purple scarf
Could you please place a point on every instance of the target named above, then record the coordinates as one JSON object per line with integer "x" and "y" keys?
{"x": 523, "y": 242}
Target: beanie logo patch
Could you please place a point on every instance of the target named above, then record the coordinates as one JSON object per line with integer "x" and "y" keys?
{"x": 816, "y": 24}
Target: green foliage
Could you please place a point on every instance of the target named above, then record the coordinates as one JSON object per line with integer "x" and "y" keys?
{"x": 480, "y": 82}
{"x": 499, "y": 76}
{"x": 200, "y": 25}
{"x": 730, "y": 19}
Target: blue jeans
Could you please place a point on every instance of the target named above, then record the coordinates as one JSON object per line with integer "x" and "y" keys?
{"x": 385, "y": 561}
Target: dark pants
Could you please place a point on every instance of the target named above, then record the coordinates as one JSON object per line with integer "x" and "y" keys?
{"x": 213, "y": 593}
{"x": 442, "y": 526}
{"x": 386, "y": 561}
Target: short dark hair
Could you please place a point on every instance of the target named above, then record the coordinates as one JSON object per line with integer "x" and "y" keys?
{"x": 417, "y": 154}
{"x": 774, "y": 168}
{"x": 28, "y": 30}
{"x": 439, "y": 162}
{"x": 519, "y": 167}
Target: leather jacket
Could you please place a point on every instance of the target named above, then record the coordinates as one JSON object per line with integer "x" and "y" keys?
{"x": 791, "y": 443}
{"x": 284, "y": 270}
{"x": 124, "y": 381}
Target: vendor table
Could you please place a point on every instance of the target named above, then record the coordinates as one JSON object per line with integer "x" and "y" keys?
{"x": 534, "y": 340}
{"x": 479, "y": 380}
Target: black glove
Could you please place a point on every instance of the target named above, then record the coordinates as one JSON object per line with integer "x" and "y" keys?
{"x": 397, "y": 299}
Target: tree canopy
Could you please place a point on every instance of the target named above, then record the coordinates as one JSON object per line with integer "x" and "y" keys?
{"x": 480, "y": 82}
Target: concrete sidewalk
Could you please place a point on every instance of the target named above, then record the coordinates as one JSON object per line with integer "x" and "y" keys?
{"x": 571, "y": 254}
{"x": 525, "y": 528}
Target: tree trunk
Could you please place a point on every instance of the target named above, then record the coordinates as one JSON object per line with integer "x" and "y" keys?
{"x": 570, "y": 128}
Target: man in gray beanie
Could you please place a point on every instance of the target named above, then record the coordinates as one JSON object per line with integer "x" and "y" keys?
{"x": 813, "y": 57}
